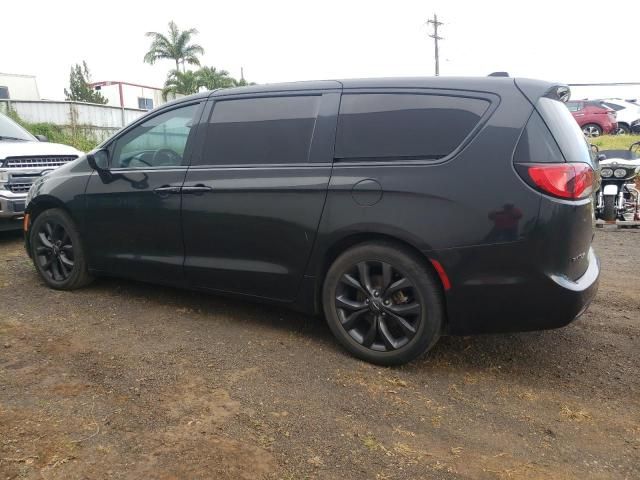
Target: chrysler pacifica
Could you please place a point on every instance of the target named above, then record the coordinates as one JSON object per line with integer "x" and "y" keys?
{"x": 400, "y": 209}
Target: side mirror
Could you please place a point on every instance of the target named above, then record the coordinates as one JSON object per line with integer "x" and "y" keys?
{"x": 42, "y": 138}
{"x": 99, "y": 160}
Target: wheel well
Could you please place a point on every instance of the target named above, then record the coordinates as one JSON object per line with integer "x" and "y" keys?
{"x": 36, "y": 208}
{"x": 351, "y": 241}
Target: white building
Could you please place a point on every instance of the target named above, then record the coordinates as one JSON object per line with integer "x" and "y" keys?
{"x": 129, "y": 95}
{"x": 18, "y": 87}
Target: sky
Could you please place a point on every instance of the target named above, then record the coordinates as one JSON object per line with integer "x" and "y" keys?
{"x": 278, "y": 40}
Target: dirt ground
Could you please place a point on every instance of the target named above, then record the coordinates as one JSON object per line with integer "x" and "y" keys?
{"x": 126, "y": 380}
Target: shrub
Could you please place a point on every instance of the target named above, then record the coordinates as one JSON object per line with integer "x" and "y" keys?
{"x": 79, "y": 137}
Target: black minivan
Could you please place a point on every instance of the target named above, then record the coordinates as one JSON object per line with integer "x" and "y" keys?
{"x": 401, "y": 209}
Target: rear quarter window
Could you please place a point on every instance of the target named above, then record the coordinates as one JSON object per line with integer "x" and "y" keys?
{"x": 537, "y": 144}
{"x": 390, "y": 126}
{"x": 565, "y": 130}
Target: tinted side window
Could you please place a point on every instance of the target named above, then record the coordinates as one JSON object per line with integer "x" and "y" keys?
{"x": 565, "y": 130}
{"x": 266, "y": 130}
{"x": 399, "y": 125}
{"x": 158, "y": 142}
{"x": 536, "y": 144}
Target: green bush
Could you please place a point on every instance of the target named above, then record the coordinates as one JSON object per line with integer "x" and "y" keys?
{"x": 79, "y": 138}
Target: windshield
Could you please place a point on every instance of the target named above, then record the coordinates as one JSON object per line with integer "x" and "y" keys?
{"x": 10, "y": 130}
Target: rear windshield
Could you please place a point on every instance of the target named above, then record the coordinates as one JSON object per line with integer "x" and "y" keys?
{"x": 565, "y": 130}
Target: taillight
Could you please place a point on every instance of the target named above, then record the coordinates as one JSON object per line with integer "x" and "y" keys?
{"x": 564, "y": 180}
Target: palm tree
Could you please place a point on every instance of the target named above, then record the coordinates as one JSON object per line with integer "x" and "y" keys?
{"x": 212, "y": 78}
{"x": 242, "y": 82}
{"x": 180, "y": 83}
{"x": 176, "y": 46}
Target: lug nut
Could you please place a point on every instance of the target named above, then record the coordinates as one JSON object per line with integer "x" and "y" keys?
{"x": 387, "y": 302}
{"x": 376, "y": 293}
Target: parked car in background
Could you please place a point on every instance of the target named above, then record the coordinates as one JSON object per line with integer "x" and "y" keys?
{"x": 342, "y": 198}
{"x": 594, "y": 118}
{"x": 23, "y": 158}
{"x": 627, "y": 113}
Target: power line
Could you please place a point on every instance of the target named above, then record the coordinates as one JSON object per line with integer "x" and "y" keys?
{"x": 435, "y": 37}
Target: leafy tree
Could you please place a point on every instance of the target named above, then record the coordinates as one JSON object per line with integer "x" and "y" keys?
{"x": 242, "y": 82}
{"x": 212, "y": 78}
{"x": 79, "y": 88}
{"x": 175, "y": 46}
{"x": 180, "y": 83}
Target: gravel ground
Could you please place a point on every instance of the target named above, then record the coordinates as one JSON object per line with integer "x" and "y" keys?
{"x": 126, "y": 380}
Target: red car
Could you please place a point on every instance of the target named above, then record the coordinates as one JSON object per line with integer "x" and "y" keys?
{"x": 593, "y": 117}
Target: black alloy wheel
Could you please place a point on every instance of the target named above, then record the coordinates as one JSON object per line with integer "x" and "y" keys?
{"x": 57, "y": 251}
{"x": 54, "y": 250}
{"x": 383, "y": 303}
{"x": 377, "y": 306}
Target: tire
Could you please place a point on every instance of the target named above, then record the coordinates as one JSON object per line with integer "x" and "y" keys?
{"x": 57, "y": 251}
{"x": 623, "y": 129}
{"x": 374, "y": 308}
{"x": 592, "y": 130}
{"x": 609, "y": 213}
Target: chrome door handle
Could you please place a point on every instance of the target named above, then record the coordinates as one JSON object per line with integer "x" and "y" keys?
{"x": 166, "y": 190}
{"x": 196, "y": 189}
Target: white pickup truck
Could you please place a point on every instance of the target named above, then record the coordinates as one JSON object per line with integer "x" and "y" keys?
{"x": 23, "y": 158}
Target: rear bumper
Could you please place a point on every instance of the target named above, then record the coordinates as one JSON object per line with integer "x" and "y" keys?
{"x": 517, "y": 303}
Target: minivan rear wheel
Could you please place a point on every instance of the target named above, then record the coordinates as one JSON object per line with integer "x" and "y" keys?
{"x": 57, "y": 251}
{"x": 382, "y": 303}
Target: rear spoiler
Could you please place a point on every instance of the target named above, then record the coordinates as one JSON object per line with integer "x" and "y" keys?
{"x": 534, "y": 89}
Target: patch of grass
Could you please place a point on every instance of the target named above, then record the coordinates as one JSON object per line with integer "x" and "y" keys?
{"x": 614, "y": 142}
{"x": 80, "y": 137}
{"x": 372, "y": 443}
{"x": 578, "y": 415}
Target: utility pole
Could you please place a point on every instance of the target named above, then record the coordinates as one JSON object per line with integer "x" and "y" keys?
{"x": 435, "y": 37}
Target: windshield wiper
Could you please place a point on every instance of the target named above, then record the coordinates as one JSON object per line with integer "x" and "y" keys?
{"x": 2, "y": 137}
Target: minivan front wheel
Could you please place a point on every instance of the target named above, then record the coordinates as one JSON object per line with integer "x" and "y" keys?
{"x": 57, "y": 251}
{"x": 382, "y": 303}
